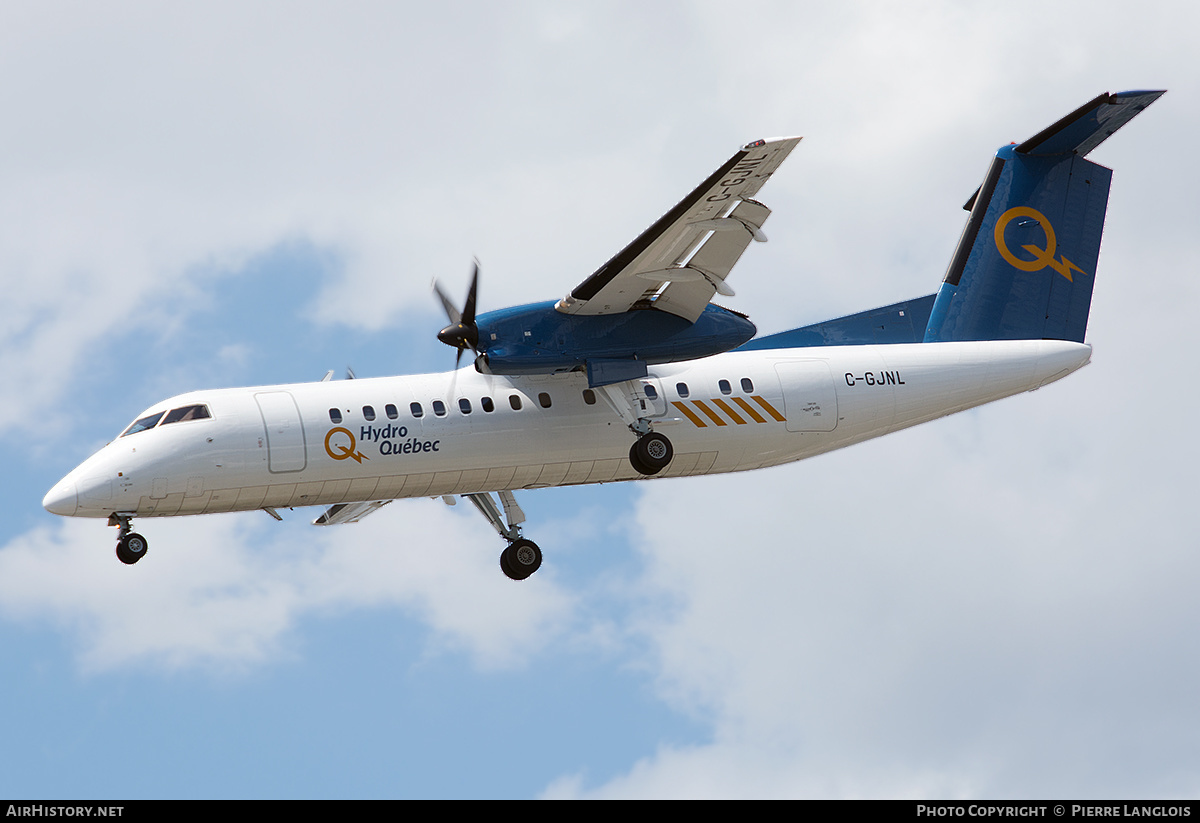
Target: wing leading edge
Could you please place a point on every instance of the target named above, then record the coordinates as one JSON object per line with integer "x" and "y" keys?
{"x": 681, "y": 261}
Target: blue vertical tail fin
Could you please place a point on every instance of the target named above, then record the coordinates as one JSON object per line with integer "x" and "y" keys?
{"x": 1026, "y": 263}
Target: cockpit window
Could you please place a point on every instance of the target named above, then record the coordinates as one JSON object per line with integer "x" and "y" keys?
{"x": 187, "y": 413}
{"x": 147, "y": 422}
{"x": 196, "y": 412}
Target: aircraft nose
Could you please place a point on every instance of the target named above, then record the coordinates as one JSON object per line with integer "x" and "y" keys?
{"x": 62, "y": 499}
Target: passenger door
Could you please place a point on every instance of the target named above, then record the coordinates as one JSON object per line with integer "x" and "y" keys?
{"x": 286, "y": 447}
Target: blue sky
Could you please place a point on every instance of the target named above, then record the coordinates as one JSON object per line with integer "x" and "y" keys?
{"x": 999, "y": 604}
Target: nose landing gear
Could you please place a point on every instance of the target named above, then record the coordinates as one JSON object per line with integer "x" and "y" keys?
{"x": 131, "y": 546}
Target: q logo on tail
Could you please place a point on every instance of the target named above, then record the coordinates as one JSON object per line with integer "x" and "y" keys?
{"x": 1042, "y": 257}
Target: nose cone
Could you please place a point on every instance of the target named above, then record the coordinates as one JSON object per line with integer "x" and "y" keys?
{"x": 62, "y": 499}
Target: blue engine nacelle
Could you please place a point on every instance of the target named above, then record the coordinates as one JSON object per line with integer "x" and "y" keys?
{"x": 536, "y": 339}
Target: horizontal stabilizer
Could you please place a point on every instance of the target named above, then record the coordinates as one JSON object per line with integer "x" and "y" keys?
{"x": 1089, "y": 125}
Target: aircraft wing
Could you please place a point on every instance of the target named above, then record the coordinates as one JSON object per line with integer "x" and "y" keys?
{"x": 348, "y": 512}
{"x": 682, "y": 260}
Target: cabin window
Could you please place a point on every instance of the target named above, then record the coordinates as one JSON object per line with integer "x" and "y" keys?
{"x": 589, "y": 397}
{"x": 187, "y": 413}
{"x": 747, "y": 385}
{"x": 439, "y": 408}
{"x": 681, "y": 389}
{"x": 544, "y": 399}
{"x": 416, "y": 409}
{"x": 335, "y": 415}
{"x": 724, "y": 386}
{"x": 147, "y": 422}
{"x": 487, "y": 404}
{"x": 390, "y": 409}
{"x": 464, "y": 405}
{"x": 514, "y": 400}
{"x": 650, "y": 391}
{"x": 369, "y": 413}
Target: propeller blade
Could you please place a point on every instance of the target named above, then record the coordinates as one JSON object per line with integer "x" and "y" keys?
{"x": 451, "y": 311}
{"x": 462, "y": 333}
{"x": 468, "y": 315}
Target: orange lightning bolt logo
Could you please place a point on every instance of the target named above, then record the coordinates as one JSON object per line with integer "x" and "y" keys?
{"x": 1042, "y": 257}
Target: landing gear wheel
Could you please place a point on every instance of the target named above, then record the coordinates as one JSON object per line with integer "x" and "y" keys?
{"x": 651, "y": 454}
{"x": 131, "y": 548}
{"x": 521, "y": 559}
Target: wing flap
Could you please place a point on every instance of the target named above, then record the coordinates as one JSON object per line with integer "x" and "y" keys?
{"x": 709, "y": 211}
{"x": 687, "y": 296}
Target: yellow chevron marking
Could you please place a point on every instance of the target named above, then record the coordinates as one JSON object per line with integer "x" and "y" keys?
{"x": 712, "y": 415}
{"x": 748, "y": 409}
{"x": 770, "y": 409}
{"x": 689, "y": 414}
{"x": 732, "y": 414}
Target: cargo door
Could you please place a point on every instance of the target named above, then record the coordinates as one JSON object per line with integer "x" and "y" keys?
{"x": 809, "y": 396}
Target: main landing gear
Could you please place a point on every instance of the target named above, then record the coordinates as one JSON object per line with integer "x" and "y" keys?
{"x": 131, "y": 546}
{"x": 522, "y": 557}
{"x": 651, "y": 453}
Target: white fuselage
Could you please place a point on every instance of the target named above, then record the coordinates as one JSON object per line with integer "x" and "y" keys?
{"x": 281, "y": 446}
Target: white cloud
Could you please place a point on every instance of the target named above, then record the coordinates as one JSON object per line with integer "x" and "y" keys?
{"x": 969, "y": 609}
{"x": 229, "y": 591}
{"x": 752, "y": 770}
{"x": 408, "y": 144}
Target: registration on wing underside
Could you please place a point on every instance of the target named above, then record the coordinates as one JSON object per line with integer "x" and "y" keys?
{"x": 680, "y": 262}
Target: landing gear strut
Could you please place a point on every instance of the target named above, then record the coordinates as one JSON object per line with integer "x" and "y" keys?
{"x": 651, "y": 452}
{"x": 522, "y": 557}
{"x": 131, "y": 546}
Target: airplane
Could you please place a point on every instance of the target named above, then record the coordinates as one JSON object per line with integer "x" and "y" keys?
{"x": 637, "y": 374}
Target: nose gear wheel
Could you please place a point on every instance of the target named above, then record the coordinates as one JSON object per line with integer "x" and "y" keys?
{"x": 131, "y": 546}
{"x": 521, "y": 559}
